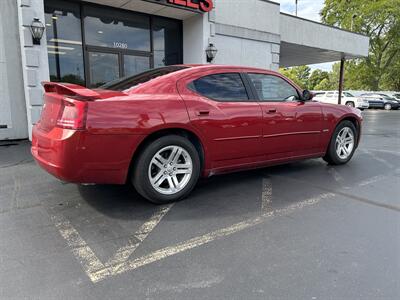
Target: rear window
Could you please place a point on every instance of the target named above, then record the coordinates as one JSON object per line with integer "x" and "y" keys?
{"x": 221, "y": 87}
{"x": 125, "y": 83}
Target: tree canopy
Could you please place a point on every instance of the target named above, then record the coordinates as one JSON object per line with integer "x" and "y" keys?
{"x": 378, "y": 19}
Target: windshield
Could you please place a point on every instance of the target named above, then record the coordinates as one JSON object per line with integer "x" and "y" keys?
{"x": 347, "y": 94}
{"x": 132, "y": 81}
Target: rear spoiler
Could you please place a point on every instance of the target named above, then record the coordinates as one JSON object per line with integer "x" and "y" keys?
{"x": 70, "y": 89}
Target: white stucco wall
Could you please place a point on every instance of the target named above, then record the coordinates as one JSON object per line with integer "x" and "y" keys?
{"x": 12, "y": 99}
{"x": 252, "y": 14}
{"x": 242, "y": 52}
{"x": 196, "y": 33}
{"x": 246, "y": 33}
{"x": 35, "y": 67}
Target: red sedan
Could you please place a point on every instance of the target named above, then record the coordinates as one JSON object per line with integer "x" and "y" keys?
{"x": 163, "y": 129}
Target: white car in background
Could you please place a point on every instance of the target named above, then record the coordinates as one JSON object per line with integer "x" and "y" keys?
{"x": 348, "y": 99}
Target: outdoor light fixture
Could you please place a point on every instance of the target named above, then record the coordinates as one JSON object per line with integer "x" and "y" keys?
{"x": 211, "y": 52}
{"x": 37, "y": 29}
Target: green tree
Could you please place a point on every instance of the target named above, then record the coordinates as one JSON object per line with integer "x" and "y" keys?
{"x": 316, "y": 77}
{"x": 299, "y": 75}
{"x": 378, "y": 19}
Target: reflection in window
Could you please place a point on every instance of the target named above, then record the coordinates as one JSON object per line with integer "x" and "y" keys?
{"x": 167, "y": 42}
{"x": 122, "y": 30}
{"x": 273, "y": 88}
{"x": 135, "y": 64}
{"x": 222, "y": 87}
{"x": 64, "y": 42}
{"x": 103, "y": 68}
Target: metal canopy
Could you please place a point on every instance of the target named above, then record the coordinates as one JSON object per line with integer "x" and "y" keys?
{"x": 307, "y": 42}
{"x": 298, "y": 55}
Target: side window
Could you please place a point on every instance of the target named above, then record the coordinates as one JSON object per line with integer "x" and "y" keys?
{"x": 330, "y": 94}
{"x": 225, "y": 87}
{"x": 273, "y": 88}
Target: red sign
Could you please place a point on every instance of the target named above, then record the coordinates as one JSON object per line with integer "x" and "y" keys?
{"x": 203, "y": 5}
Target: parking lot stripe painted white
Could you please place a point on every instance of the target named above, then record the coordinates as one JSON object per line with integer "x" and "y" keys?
{"x": 381, "y": 160}
{"x": 83, "y": 253}
{"x": 203, "y": 239}
{"x": 123, "y": 253}
{"x": 91, "y": 264}
{"x": 120, "y": 262}
{"x": 266, "y": 196}
{"x": 372, "y": 180}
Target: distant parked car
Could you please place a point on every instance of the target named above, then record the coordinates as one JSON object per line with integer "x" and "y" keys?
{"x": 397, "y": 96}
{"x": 383, "y": 101}
{"x": 347, "y": 99}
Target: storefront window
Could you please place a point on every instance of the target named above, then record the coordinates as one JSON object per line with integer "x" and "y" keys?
{"x": 167, "y": 42}
{"x": 64, "y": 42}
{"x": 103, "y": 67}
{"x": 114, "y": 43}
{"x": 135, "y": 64}
{"x": 120, "y": 30}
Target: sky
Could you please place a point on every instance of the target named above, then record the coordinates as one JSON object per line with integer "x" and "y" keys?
{"x": 308, "y": 9}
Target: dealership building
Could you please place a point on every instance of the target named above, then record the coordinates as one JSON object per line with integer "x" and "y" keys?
{"x": 95, "y": 41}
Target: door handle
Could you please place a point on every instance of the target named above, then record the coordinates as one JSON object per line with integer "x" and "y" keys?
{"x": 271, "y": 110}
{"x": 202, "y": 113}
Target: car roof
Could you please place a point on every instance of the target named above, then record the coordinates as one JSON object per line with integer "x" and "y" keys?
{"x": 217, "y": 66}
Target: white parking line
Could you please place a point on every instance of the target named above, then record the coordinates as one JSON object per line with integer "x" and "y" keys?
{"x": 266, "y": 195}
{"x": 83, "y": 253}
{"x": 380, "y": 159}
{"x": 123, "y": 253}
{"x": 121, "y": 263}
{"x": 372, "y": 180}
{"x": 91, "y": 264}
{"x": 203, "y": 239}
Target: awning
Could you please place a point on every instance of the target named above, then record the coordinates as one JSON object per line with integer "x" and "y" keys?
{"x": 307, "y": 42}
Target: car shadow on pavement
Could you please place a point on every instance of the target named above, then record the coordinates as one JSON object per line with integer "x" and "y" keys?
{"x": 229, "y": 195}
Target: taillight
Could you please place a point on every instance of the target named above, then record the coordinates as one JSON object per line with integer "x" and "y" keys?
{"x": 72, "y": 114}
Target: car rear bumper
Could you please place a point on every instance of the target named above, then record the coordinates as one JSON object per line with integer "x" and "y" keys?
{"x": 79, "y": 157}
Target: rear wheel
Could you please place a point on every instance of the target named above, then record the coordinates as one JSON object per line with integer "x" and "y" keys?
{"x": 167, "y": 169}
{"x": 342, "y": 145}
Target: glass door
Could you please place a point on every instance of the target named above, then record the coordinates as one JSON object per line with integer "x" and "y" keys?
{"x": 134, "y": 64}
{"x": 105, "y": 65}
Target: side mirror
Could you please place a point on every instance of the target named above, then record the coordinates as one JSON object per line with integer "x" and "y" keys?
{"x": 307, "y": 95}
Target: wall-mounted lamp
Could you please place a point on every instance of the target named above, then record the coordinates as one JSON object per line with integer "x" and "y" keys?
{"x": 211, "y": 52}
{"x": 37, "y": 29}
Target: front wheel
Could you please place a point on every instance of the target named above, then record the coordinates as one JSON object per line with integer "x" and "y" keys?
{"x": 342, "y": 145}
{"x": 167, "y": 169}
{"x": 351, "y": 104}
{"x": 387, "y": 106}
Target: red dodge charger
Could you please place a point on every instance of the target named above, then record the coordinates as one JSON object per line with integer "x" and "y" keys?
{"x": 163, "y": 129}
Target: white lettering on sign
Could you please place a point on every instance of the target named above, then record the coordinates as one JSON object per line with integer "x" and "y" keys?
{"x": 121, "y": 45}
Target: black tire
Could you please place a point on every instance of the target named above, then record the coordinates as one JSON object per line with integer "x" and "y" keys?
{"x": 140, "y": 177}
{"x": 350, "y": 103}
{"x": 387, "y": 106}
{"x": 331, "y": 156}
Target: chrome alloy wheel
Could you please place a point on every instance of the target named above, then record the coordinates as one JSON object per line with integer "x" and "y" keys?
{"x": 170, "y": 170}
{"x": 345, "y": 143}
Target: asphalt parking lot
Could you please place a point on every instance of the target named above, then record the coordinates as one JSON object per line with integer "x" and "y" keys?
{"x": 304, "y": 230}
